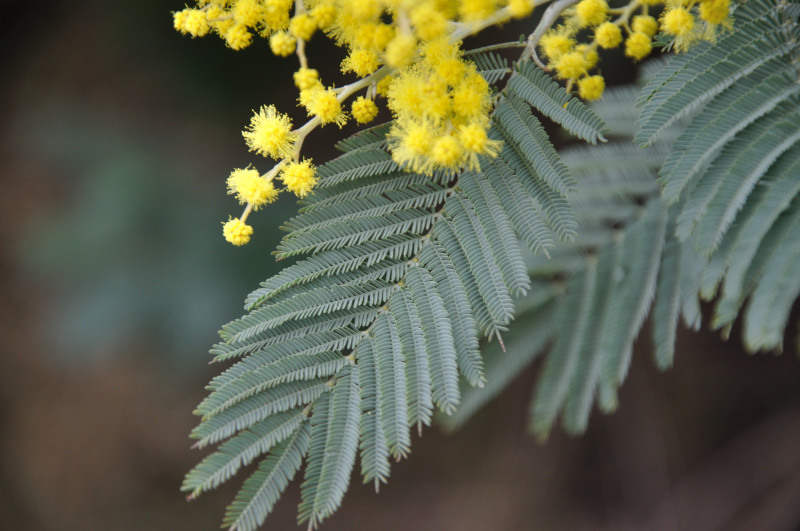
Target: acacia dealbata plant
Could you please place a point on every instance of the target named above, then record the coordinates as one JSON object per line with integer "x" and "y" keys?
{"x": 449, "y": 248}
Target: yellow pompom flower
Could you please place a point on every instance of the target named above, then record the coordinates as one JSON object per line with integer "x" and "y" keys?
{"x": 571, "y": 65}
{"x": 219, "y": 19}
{"x": 299, "y": 177}
{"x": 305, "y": 78}
{"x": 476, "y": 142}
{"x": 302, "y": 26}
{"x": 644, "y": 24}
{"x": 324, "y": 15}
{"x": 383, "y": 35}
{"x": 247, "y": 12}
{"x": 590, "y": 55}
{"x": 471, "y": 97}
{"x": 270, "y": 133}
{"x": 410, "y": 141}
{"x": 401, "y": 51}
{"x": 364, "y": 110}
{"x": 435, "y": 98}
{"x": 236, "y": 231}
{"x": 406, "y": 94}
{"x": 249, "y": 187}
{"x": 362, "y": 62}
{"x": 192, "y": 22}
{"x": 382, "y": 88}
{"x": 429, "y": 23}
{"x": 363, "y": 9}
{"x": 608, "y": 35}
{"x": 322, "y": 103}
{"x": 591, "y": 87}
{"x": 475, "y": 10}
{"x": 677, "y": 22}
{"x": 276, "y": 13}
{"x": 638, "y": 46}
{"x": 237, "y": 37}
{"x": 714, "y": 11}
{"x": 282, "y": 44}
{"x": 591, "y": 12}
{"x": 520, "y": 8}
{"x": 446, "y": 152}
{"x": 451, "y": 70}
{"x": 556, "y": 43}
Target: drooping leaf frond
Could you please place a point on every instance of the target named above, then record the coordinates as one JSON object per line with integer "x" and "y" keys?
{"x": 732, "y": 174}
{"x": 589, "y": 300}
{"x": 373, "y": 328}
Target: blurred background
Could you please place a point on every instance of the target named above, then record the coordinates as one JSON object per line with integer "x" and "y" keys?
{"x": 116, "y": 135}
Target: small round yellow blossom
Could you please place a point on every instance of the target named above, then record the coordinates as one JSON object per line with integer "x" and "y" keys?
{"x": 324, "y": 15}
{"x": 384, "y": 33}
{"x": 452, "y": 70}
{"x": 446, "y": 151}
{"x": 364, "y": 110}
{"x": 590, "y": 55}
{"x": 382, "y": 87}
{"x": 591, "y": 87}
{"x": 677, "y": 21}
{"x": 282, "y": 44}
{"x": 608, "y": 35}
{"x": 436, "y": 101}
{"x": 219, "y": 19}
{"x": 276, "y": 13}
{"x": 236, "y": 231}
{"x": 322, "y": 102}
{"x": 571, "y": 65}
{"x": 475, "y": 10}
{"x": 471, "y": 97}
{"x": 591, "y": 12}
{"x": 363, "y": 9}
{"x": 249, "y": 187}
{"x": 410, "y": 141}
{"x": 247, "y": 12}
{"x": 299, "y": 177}
{"x": 362, "y": 62}
{"x": 305, "y": 78}
{"x": 406, "y": 93}
{"x": 473, "y": 137}
{"x": 556, "y": 43}
{"x": 270, "y": 133}
{"x": 520, "y": 8}
{"x": 401, "y": 51}
{"x": 476, "y": 142}
{"x": 644, "y": 24}
{"x": 303, "y": 26}
{"x": 429, "y": 23}
{"x": 237, "y": 37}
{"x": 418, "y": 139}
{"x": 192, "y": 22}
{"x": 638, "y": 46}
{"x": 714, "y": 11}
{"x": 179, "y": 20}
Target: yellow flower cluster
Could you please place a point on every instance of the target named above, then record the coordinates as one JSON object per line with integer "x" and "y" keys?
{"x": 408, "y": 50}
{"x": 688, "y": 21}
{"x": 441, "y": 105}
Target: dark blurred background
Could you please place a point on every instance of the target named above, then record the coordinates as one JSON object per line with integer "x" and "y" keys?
{"x": 117, "y": 134}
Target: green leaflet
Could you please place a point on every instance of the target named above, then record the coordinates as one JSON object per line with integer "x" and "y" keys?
{"x": 334, "y": 441}
{"x": 263, "y": 488}
{"x": 548, "y": 97}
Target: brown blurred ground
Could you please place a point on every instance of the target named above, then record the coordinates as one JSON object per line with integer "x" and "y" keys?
{"x": 93, "y": 424}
